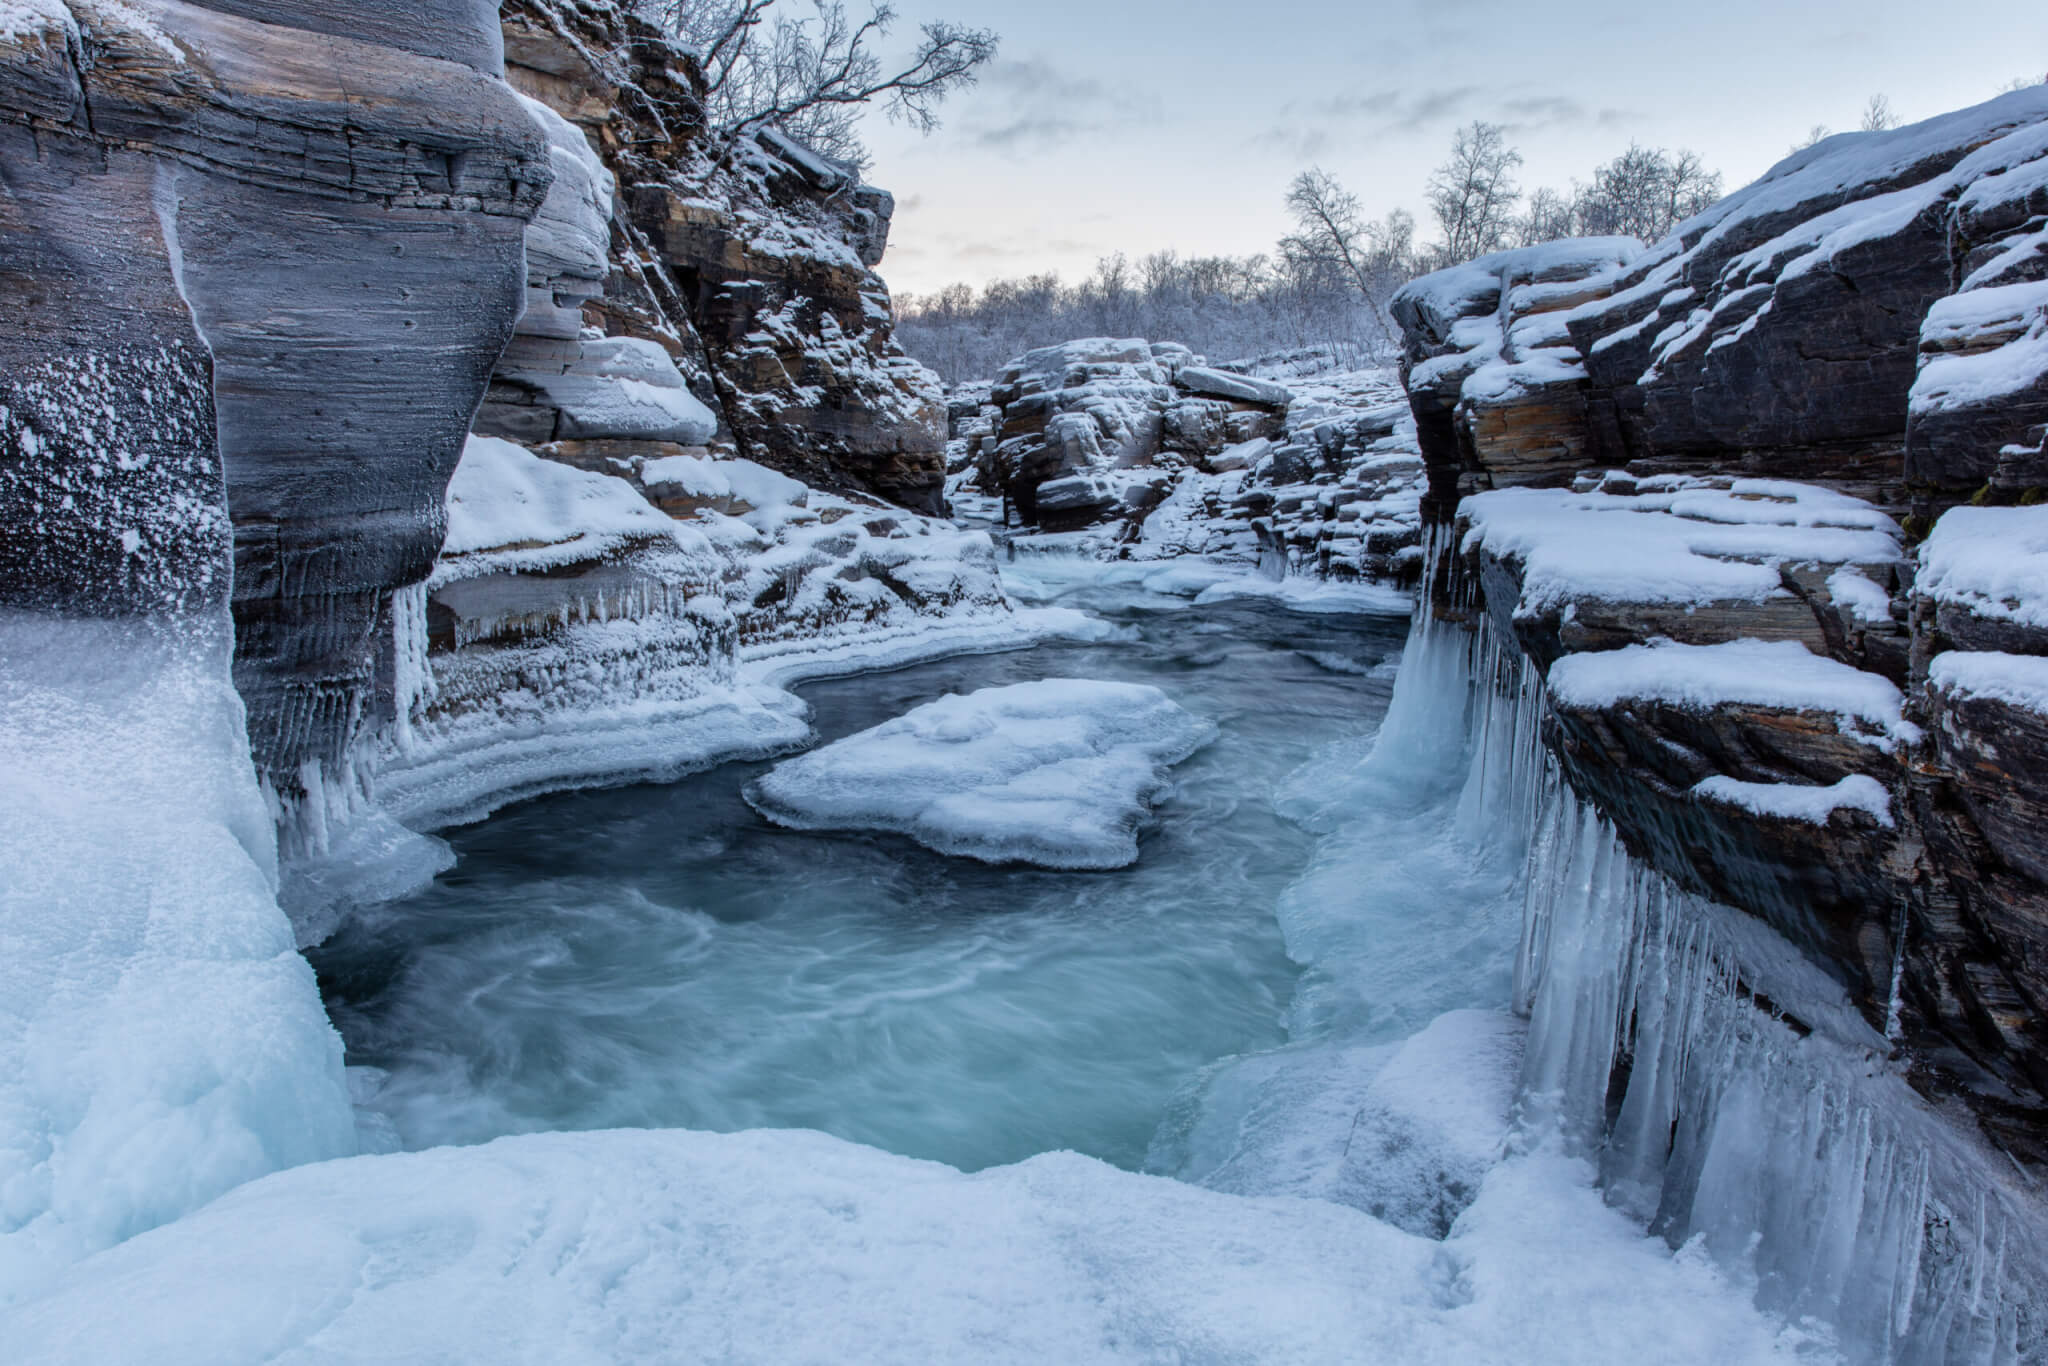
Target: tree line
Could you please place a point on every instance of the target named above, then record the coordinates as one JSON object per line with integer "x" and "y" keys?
{"x": 1325, "y": 285}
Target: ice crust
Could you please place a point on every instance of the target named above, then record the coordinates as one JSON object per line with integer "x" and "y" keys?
{"x": 161, "y": 1040}
{"x": 1057, "y": 773}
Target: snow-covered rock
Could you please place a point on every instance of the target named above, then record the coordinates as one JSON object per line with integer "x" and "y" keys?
{"x": 1059, "y": 773}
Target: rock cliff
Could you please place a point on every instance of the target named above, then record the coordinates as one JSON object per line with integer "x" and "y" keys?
{"x": 266, "y": 269}
{"x": 1710, "y": 466}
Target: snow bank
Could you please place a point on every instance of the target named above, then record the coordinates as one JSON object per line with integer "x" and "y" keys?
{"x": 2016, "y": 680}
{"x": 1800, "y": 801}
{"x": 1989, "y": 561}
{"x": 742, "y": 480}
{"x": 161, "y": 1040}
{"x": 1684, "y": 542}
{"x": 1057, "y": 773}
{"x": 780, "y": 1247}
{"x": 1753, "y": 673}
{"x": 503, "y": 497}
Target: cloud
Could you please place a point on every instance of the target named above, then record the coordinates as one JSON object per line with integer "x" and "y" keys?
{"x": 1312, "y": 129}
{"x": 1534, "y": 113}
{"x": 1032, "y": 105}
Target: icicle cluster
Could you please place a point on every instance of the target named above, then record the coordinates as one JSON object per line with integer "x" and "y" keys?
{"x": 1730, "y": 1095}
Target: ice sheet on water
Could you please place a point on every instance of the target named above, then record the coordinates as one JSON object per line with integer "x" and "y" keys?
{"x": 1057, "y": 773}
{"x": 160, "y": 1039}
{"x": 777, "y": 1247}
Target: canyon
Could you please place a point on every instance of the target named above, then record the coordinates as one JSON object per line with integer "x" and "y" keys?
{"x": 407, "y": 412}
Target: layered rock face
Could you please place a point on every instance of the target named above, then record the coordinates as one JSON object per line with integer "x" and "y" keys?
{"x": 1711, "y": 461}
{"x": 1089, "y": 430}
{"x": 1138, "y": 449}
{"x": 750, "y": 266}
{"x": 244, "y": 261}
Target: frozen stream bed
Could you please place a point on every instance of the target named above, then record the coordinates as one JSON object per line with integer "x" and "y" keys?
{"x": 662, "y": 957}
{"x": 658, "y": 956}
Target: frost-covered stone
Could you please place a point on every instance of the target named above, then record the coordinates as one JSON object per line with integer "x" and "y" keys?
{"x": 1057, "y": 773}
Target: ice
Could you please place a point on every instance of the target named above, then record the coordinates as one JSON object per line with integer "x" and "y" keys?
{"x": 2016, "y": 680}
{"x": 1989, "y": 561}
{"x": 1810, "y": 803}
{"x": 161, "y": 1041}
{"x": 1057, "y": 772}
{"x": 1405, "y": 1132}
{"x": 1756, "y": 673}
{"x": 779, "y": 1247}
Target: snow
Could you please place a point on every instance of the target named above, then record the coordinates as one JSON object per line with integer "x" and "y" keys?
{"x": 1303, "y": 594}
{"x": 1691, "y": 544}
{"x": 2013, "y": 316}
{"x": 1744, "y": 673}
{"x": 19, "y": 17}
{"x": 1852, "y": 165}
{"x": 161, "y": 1040}
{"x": 1989, "y": 561}
{"x": 1057, "y": 773}
{"x": 2016, "y": 680}
{"x": 626, "y": 388}
{"x": 782, "y": 1247}
{"x": 1800, "y": 802}
{"x": 572, "y": 231}
{"x": 1198, "y": 379}
{"x": 504, "y": 497}
{"x": 1866, "y": 603}
{"x": 1442, "y": 298}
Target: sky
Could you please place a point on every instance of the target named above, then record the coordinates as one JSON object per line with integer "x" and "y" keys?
{"x": 1147, "y": 125}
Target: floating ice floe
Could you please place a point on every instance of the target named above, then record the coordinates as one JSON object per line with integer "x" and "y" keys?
{"x": 1058, "y": 773}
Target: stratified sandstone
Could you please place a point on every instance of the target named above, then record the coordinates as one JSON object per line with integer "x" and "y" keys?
{"x": 1868, "y": 319}
{"x": 269, "y": 245}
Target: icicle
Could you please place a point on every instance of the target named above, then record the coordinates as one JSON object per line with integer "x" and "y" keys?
{"x": 1791, "y": 1154}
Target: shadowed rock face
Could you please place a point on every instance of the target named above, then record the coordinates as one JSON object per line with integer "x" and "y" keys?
{"x": 317, "y": 212}
{"x": 1872, "y": 318}
{"x": 750, "y": 264}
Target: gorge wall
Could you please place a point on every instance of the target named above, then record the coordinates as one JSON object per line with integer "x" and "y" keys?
{"x": 267, "y": 267}
{"x": 1712, "y": 491}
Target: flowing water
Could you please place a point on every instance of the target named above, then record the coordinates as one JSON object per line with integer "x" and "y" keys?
{"x": 662, "y": 956}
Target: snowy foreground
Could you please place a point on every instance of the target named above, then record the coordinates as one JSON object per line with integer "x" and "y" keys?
{"x": 207, "y": 1064}
{"x": 1058, "y": 773}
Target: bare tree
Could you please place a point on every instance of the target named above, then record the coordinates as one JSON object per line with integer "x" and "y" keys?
{"x": 1550, "y": 216}
{"x": 810, "y": 76}
{"x": 1644, "y": 193}
{"x": 1815, "y": 136}
{"x": 1473, "y": 195}
{"x": 1333, "y": 244}
{"x": 1878, "y": 115}
{"x": 2022, "y": 83}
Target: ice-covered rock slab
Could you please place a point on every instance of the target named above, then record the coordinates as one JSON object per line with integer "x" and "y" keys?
{"x": 1057, "y": 773}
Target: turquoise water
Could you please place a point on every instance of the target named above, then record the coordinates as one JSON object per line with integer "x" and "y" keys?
{"x": 661, "y": 956}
